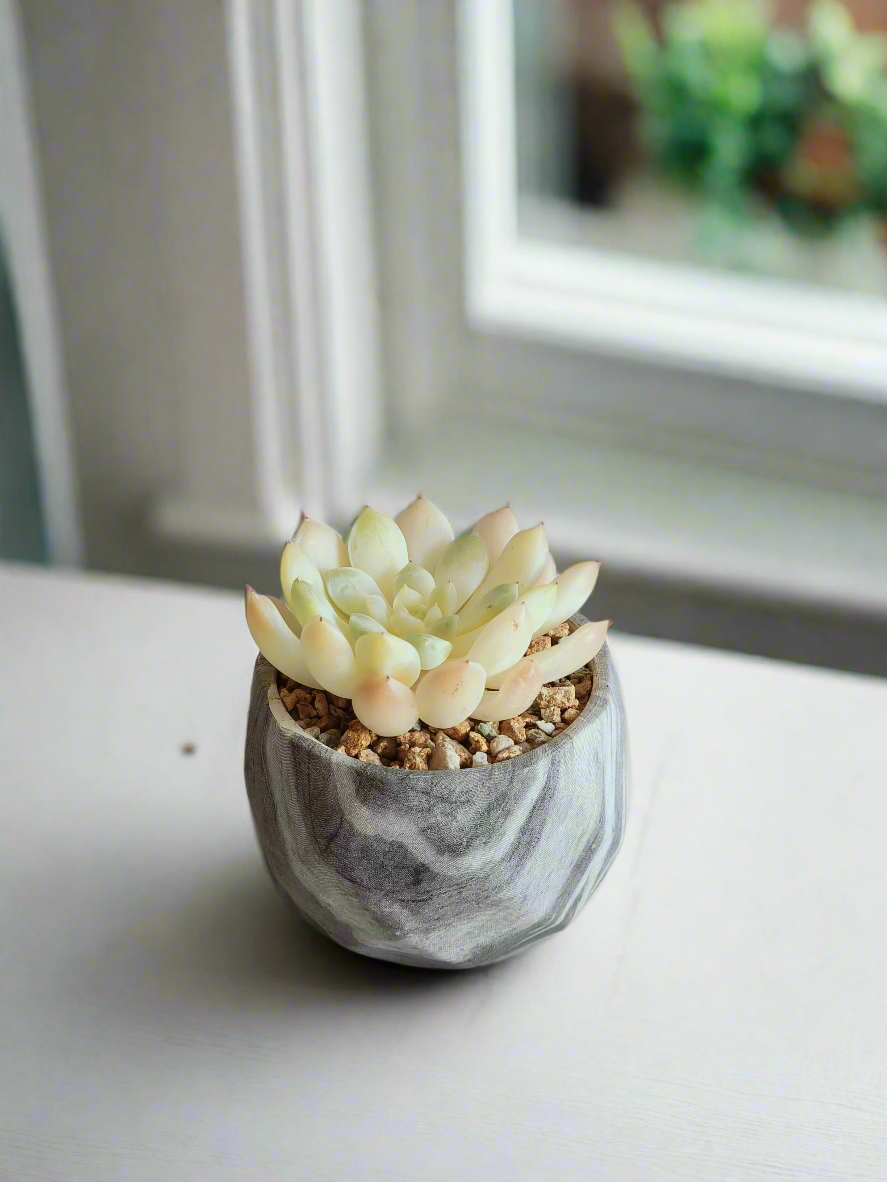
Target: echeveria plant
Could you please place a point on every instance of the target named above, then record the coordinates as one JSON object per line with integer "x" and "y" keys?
{"x": 412, "y": 623}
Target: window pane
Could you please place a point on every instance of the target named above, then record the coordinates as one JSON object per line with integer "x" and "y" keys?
{"x": 709, "y": 131}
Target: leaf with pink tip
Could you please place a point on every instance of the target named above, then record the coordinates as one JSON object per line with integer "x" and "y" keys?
{"x": 464, "y": 563}
{"x": 377, "y": 546}
{"x": 329, "y": 657}
{"x": 274, "y": 639}
{"x": 574, "y": 585}
{"x": 496, "y": 529}
{"x": 518, "y": 691}
{"x": 321, "y": 543}
{"x": 448, "y": 694}
{"x": 427, "y": 532}
{"x": 379, "y": 654}
{"x": 385, "y": 705}
{"x": 503, "y": 641}
{"x": 572, "y": 652}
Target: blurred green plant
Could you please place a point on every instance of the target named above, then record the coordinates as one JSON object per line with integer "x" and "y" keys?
{"x": 740, "y": 110}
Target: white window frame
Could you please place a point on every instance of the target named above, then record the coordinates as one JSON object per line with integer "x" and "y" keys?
{"x": 829, "y": 342}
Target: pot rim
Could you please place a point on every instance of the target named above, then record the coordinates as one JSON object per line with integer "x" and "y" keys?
{"x": 601, "y": 695}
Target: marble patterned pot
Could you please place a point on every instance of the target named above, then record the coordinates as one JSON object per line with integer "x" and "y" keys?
{"x": 446, "y": 869}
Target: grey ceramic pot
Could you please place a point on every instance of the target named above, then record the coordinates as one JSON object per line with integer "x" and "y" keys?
{"x": 448, "y": 869}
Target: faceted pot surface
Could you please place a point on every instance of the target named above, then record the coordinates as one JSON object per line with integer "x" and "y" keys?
{"x": 440, "y": 869}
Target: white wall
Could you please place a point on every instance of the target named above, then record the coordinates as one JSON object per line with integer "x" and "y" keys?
{"x": 134, "y": 135}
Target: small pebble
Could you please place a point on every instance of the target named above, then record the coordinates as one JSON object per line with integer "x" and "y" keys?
{"x": 547, "y": 727}
{"x": 476, "y": 742}
{"x": 479, "y": 759}
{"x": 570, "y": 714}
{"x": 514, "y": 728}
{"x": 306, "y": 711}
{"x": 536, "y": 737}
{"x": 458, "y": 732}
{"x": 416, "y": 759}
{"x": 357, "y": 737}
{"x": 444, "y": 755}
{"x": 320, "y": 705}
{"x": 313, "y": 731}
{"x": 331, "y": 737}
{"x": 551, "y": 714}
{"x": 556, "y": 695}
{"x": 386, "y": 748}
{"x": 486, "y": 729}
{"x": 540, "y": 644}
{"x": 560, "y": 631}
{"x": 508, "y": 753}
{"x": 367, "y": 755}
{"x": 499, "y": 744}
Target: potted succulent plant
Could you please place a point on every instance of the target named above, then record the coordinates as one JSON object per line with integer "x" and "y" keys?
{"x": 435, "y": 755}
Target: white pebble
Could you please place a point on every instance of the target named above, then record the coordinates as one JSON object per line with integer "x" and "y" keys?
{"x": 547, "y": 727}
{"x": 479, "y": 757}
{"x": 500, "y": 743}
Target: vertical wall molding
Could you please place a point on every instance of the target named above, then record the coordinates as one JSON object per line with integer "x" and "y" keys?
{"x": 302, "y": 165}
{"x": 27, "y": 250}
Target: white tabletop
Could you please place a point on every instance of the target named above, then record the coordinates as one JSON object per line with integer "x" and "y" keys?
{"x": 716, "y": 1012}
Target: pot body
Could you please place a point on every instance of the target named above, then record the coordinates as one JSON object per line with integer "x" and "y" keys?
{"x": 446, "y": 869}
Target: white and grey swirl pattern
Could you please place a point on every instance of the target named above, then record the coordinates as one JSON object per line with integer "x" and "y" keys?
{"x": 448, "y": 869}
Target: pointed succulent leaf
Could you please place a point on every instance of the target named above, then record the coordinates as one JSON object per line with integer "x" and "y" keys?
{"x": 444, "y": 596}
{"x": 296, "y": 563}
{"x": 350, "y": 588}
{"x": 385, "y": 705}
{"x": 427, "y": 532}
{"x": 549, "y": 572}
{"x": 540, "y": 603}
{"x": 274, "y": 639}
{"x": 496, "y": 529}
{"x": 404, "y": 623}
{"x": 329, "y": 656}
{"x": 448, "y": 694}
{"x": 288, "y": 617}
{"x": 573, "y": 652}
{"x": 432, "y": 616}
{"x": 379, "y": 654}
{"x": 432, "y": 650}
{"x": 416, "y": 577}
{"x": 410, "y": 599}
{"x": 520, "y": 562}
{"x": 307, "y": 601}
{"x": 321, "y": 543}
{"x": 377, "y": 607}
{"x": 518, "y": 691}
{"x": 495, "y": 601}
{"x": 377, "y": 546}
{"x": 503, "y": 641}
{"x": 463, "y": 563}
{"x": 446, "y": 628}
{"x": 574, "y": 585}
{"x": 360, "y": 624}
